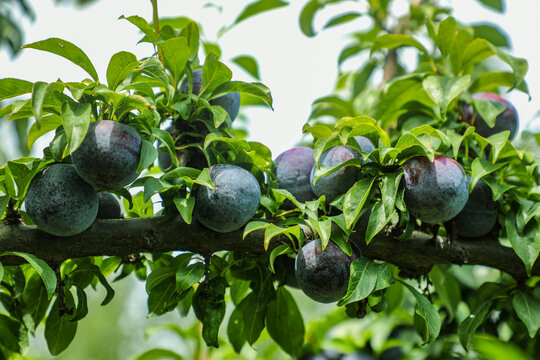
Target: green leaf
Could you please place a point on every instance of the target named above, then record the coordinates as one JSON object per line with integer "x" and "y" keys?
{"x": 323, "y": 228}
{"x": 255, "y": 89}
{"x": 191, "y": 33}
{"x": 12, "y": 333}
{"x": 468, "y": 327}
{"x": 362, "y": 281}
{"x": 426, "y": 310}
{"x": 153, "y": 186}
{"x": 10, "y": 87}
{"x": 249, "y": 64}
{"x": 82, "y": 305}
{"x": 59, "y": 329}
{"x": 254, "y": 225}
{"x": 497, "y": 5}
{"x": 526, "y": 244}
{"x": 488, "y": 110}
{"x": 120, "y": 66}
{"x": 308, "y": 14}
{"x": 342, "y": 19}
{"x": 214, "y": 74}
{"x": 209, "y": 307}
{"x": 253, "y": 314}
{"x": 378, "y": 219}
{"x": 188, "y": 276}
{"x": 185, "y": 207}
{"x": 258, "y": 7}
{"x": 235, "y": 330}
{"x": 480, "y": 168}
{"x": 490, "y": 347}
{"x": 443, "y": 90}
{"x": 447, "y": 288}
{"x": 284, "y": 322}
{"x": 159, "y": 276}
{"x": 39, "y": 93}
{"x": 143, "y": 25}
{"x": 42, "y": 269}
{"x": 68, "y": 51}
{"x": 492, "y": 33}
{"x": 392, "y": 41}
{"x": 519, "y": 66}
{"x": 48, "y": 123}
{"x": 528, "y": 310}
{"x": 76, "y": 120}
{"x": 158, "y": 354}
{"x": 354, "y": 200}
{"x": 166, "y": 138}
{"x": 272, "y": 231}
{"x": 149, "y": 154}
{"x": 36, "y": 302}
{"x": 176, "y": 53}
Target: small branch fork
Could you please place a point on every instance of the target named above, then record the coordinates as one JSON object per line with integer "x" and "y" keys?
{"x": 123, "y": 237}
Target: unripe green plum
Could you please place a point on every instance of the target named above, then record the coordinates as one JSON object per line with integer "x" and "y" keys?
{"x": 232, "y": 203}
{"x": 60, "y": 202}
{"x": 338, "y": 182}
{"x": 323, "y": 275}
{"x": 109, "y": 207}
{"x": 109, "y": 155}
{"x": 435, "y": 191}
{"x": 229, "y": 101}
{"x": 479, "y": 215}
{"x": 293, "y": 169}
{"x": 507, "y": 120}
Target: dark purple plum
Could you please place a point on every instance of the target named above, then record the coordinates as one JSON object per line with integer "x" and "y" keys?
{"x": 232, "y": 203}
{"x": 435, "y": 191}
{"x": 293, "y": 169}
{"x": 338, "y": 182}
{"x": 284, "y": 267}
{"x": 479, "y": 215}
{"x": 60, "y": 202}
{"x": 507, "y": 120}
{"x": 109, "y": 207}
{"x": 230, "y": 102}
{"x": 109, "y": 155}
{"x": 365, "y": 144}
{"x": 323, "y": 275}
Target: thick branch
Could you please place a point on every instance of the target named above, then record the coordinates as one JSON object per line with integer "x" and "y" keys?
{"x": 129, "y": 236}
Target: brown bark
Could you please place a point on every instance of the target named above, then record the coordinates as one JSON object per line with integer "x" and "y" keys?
{"x": 122, "y": 237}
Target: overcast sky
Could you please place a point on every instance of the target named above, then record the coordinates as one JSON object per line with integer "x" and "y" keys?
{"x": 296, "y": 69}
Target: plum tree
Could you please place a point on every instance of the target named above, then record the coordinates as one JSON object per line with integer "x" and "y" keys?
{"x": 507, "y": 120}
{"x": 109, "y": 207}
{"x": 109, "y": 155}
{"x": 339, "y": 181}
{"x": 233, "y": 201}
{"x": 323, "y": 275}
{"x": 435, "y": 191}
{"x": 293, "y": 169}
{"x": 60, "y": 202}
{"x": 479, "y": 215}
{"x": 230, "y": 102}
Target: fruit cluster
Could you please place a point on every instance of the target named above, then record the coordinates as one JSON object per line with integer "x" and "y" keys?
{"x": 435, "y": 192}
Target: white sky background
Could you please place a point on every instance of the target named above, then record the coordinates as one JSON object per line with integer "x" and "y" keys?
{"x": 297, "y": 69}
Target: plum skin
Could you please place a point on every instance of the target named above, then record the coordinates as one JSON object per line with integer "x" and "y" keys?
{"x": 232, "y": 203}
{"x": 229, "y": 101}
{"x": 323, "y": 275}
{"x": 338, "y": 182}
{"x": 109, "y": 155}
{"x": 479, "y": 215}
{"x": 435, "y": 191}
{"x": 293, "y": 169}
{"x": 60, "y": 202}
{"x": 507, "y": 120}
{"x": 109, "y": 207}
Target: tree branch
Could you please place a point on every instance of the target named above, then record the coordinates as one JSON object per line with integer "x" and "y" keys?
{"x": 121, "y": 237}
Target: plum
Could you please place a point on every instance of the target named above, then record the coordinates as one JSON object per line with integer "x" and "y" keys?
{"x": 229, "y": 101}
{"x": 323, "y": 275}
{"x": 109, "y": 155}
{"x": 479, "y": 215}
{"x": 507, "y": 120}
{"x": 60, "y": 202}
{"x": 293, "y": 168}
{"x": 365, "y": 144}
{"x": 435, "y": 191}
{"x": 340, "y": 181}
{"x": 284, "y": 267}
{"x": 109, "y": 207}
{"x": 232, "y": 203}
